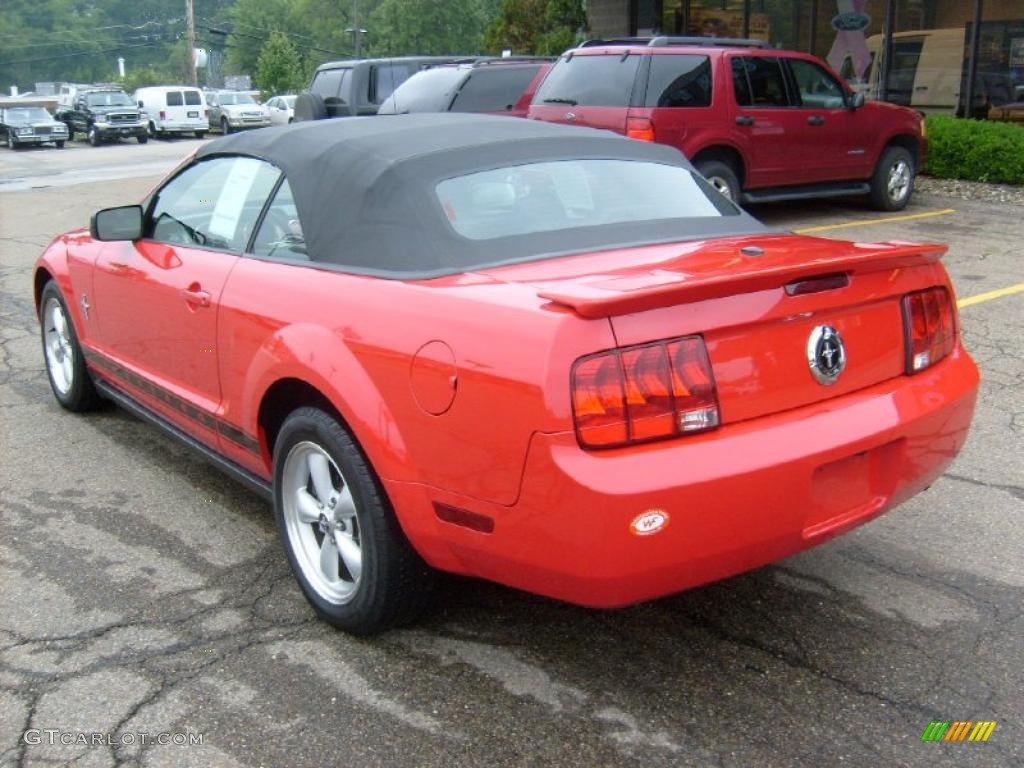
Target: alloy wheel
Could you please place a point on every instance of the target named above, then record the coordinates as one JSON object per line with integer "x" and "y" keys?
{"x": 322, "y": 522}
{"x": 60, "y": 353}
{"x": 721, "y": 185}
{"x": 898, "y": 183}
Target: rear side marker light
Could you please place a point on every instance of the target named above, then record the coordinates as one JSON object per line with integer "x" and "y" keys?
{"x": 639, "y": 128}
{"x": 457, "y": 516}
{"x": 643, "y": 393}
{"x": 928, "y": 327}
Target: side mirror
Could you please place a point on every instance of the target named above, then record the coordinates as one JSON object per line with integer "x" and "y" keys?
{"x": 141, "y": 105}
{"x": 124, "y": 223}
{"x": 857, "y": 101}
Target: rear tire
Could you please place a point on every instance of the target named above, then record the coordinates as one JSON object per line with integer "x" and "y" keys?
{"x": 309, "y": 106}
{"x": 65, "y": 364}
{"x": 60, "y": 144}
{"x": 893, "y": 182}
{"x": 343, "y": 541}
{"x": 722, "y": 176}
{"x": 200, "y": 134}
{"x": 142, "y": 139}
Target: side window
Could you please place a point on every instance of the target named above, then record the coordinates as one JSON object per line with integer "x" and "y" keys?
{"x": 213, "y": 204}
{"x": 818, "y": 89}
{"x": 493, "y": 90}
{"x": 174, "y": 99}
{"x": 280, "y": 234}
{"x": 765, "y": 84}
{"x": 679, "y": 81}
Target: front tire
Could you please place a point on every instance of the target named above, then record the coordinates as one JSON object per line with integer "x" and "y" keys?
{"x": 722, "y": 177}
{"x": 65, "y": 363}
{"x": 225, "y": 126}
{"x": 342, "y": 539}
{"x": 893, "y": 182}
{"x": 94, "y": 136}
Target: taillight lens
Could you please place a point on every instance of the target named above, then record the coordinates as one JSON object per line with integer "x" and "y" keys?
{"x": 928, "y": 328}
{"x": 639, "y": 128}
{"x": 642, "y": 393}
{"x": 163, "y": 115}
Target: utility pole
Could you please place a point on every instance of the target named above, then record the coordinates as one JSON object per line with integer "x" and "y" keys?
{"x": 356, "y": 31}
{"x": 190, "y": 20}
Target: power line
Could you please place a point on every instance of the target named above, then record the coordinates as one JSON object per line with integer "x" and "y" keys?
{"x": 97, "y": 29}
{"x": 84, "y": 53}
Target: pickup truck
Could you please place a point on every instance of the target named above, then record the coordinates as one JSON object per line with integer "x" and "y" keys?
{"x": 104, "y": 114}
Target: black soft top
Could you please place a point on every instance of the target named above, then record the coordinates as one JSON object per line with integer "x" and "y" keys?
{"x": 364, "y": 188}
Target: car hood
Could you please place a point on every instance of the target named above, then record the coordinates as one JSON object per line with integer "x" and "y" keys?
{"x": 105, "y": 110}
{"x": 26, "y": 121}
{"x": 233, "y": 109}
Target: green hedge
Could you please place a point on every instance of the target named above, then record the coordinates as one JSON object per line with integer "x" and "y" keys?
{"x": 978, "y": 150}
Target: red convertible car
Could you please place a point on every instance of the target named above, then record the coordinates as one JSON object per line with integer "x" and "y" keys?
{"x": 539, "y": 354}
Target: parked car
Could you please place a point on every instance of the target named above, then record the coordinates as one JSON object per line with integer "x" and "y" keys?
{"x": 104, "y": 114}
{"x": 235, "y": 111}
{"x": 173, "y": 110}
{"x": 538, "y": 354}
{"x": 761, "y": 124}
{"x": 281, "y": 109}
{"x": 26, "y": 122}
{"x": 500, "y": 86}
{"x": 358, "y": 87}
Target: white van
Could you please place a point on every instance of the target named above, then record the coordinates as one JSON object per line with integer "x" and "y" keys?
{"x": 174, "y": 109}
{"x": 926, "y": 68}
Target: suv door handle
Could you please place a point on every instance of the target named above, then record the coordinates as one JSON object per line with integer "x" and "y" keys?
{"x": 744, "y": 120}
{"x": 195, "y": 295}
{"x": 816, "y": 120}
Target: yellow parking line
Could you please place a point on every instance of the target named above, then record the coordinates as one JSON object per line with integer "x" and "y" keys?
{"x": 971, "y": 300}
{"x": 868, "y": 222}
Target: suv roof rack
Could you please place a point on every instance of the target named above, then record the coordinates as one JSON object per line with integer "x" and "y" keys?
{"x": 662, "y": 40}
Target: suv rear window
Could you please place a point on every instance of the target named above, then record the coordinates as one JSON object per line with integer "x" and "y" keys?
{"x": 493, "y": 90}
{"x": 590, "y": 81}
{"x": 327, "y": 83}
{"x": 174, "y": 99}
{"x": 679, "y": 81}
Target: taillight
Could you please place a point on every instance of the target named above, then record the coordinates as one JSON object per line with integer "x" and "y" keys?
{"x": 163, "y": 115}
{"x": 639, "y": 128}
{"x": 642, "y": 393}
{"x": 927, "y": 327}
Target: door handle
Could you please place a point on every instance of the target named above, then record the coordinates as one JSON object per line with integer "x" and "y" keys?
{"x": 744, "y": 120}
{"x": 195, "y": 295}
{"x": 816, "y": 120}
{"x": 921, "y": 88}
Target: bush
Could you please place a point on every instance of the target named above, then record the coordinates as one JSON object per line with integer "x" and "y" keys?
{"x": 977, "y": 150}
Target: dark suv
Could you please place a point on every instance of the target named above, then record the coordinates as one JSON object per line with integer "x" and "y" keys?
{"x": 761, "y": 124}
{"x": 104, "y": 114}
{"x": 358, "y": 86}
{"x": 497, "y": 86}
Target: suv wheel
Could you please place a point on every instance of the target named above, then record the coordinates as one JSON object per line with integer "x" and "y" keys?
{"x": 94, "y": 136}
{"x": 225, "y": 127}
{"x": 342, "y": 539}
{"x": 722, "y": 177}
{"x": 893, "y": 182}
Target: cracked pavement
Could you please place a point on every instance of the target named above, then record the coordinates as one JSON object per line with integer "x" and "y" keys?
{"x": 143, "y": 592}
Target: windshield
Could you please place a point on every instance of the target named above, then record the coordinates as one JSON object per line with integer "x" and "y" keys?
{"x": 243, "y": 98}
{"x": 568, "y": 194}
{"x": 24, "y": 114}
{"x": 108, "y": 99}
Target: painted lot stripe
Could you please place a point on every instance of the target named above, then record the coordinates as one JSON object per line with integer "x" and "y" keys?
{"x": 869, "y": 222}
{"x": 998, "y": 293}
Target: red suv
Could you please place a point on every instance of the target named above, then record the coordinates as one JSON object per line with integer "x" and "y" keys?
{"x": 761, "y": 124}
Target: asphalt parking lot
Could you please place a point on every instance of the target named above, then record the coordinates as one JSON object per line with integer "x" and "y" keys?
{"x": 143, "y": 593}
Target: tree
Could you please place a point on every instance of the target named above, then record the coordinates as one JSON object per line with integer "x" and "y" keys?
{"x": 279, "y": 68}
{"x": 543, "y": 27}
{"x": 427, "y": 27}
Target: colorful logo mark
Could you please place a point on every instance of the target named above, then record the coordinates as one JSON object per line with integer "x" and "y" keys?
{"x": 958, "y": 730}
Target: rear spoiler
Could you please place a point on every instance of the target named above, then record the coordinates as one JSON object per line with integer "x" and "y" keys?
{"x": 609, "y": 296}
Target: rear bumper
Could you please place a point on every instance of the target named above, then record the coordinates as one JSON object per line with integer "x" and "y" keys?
{"x": 167, "y": 126}
{"x": 736, "y": 498}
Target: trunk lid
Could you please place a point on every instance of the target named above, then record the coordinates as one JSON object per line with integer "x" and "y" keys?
{"x": 756, "y": 300}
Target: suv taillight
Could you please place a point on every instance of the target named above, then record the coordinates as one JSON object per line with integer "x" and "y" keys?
{"x": 928, "y": 328}
{"x": 642, "y": 393}
{"x": 639, "y": 128}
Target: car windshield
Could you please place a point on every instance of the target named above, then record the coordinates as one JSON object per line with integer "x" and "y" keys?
{"x": 243, "y": 98}
{"x": 108, "y": 99}
{"x": 24, "y": 114}
{"x": 568, "y": 194}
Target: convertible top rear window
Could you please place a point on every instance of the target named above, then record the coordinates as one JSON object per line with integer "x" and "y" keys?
{"x": 566, "y": 194}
